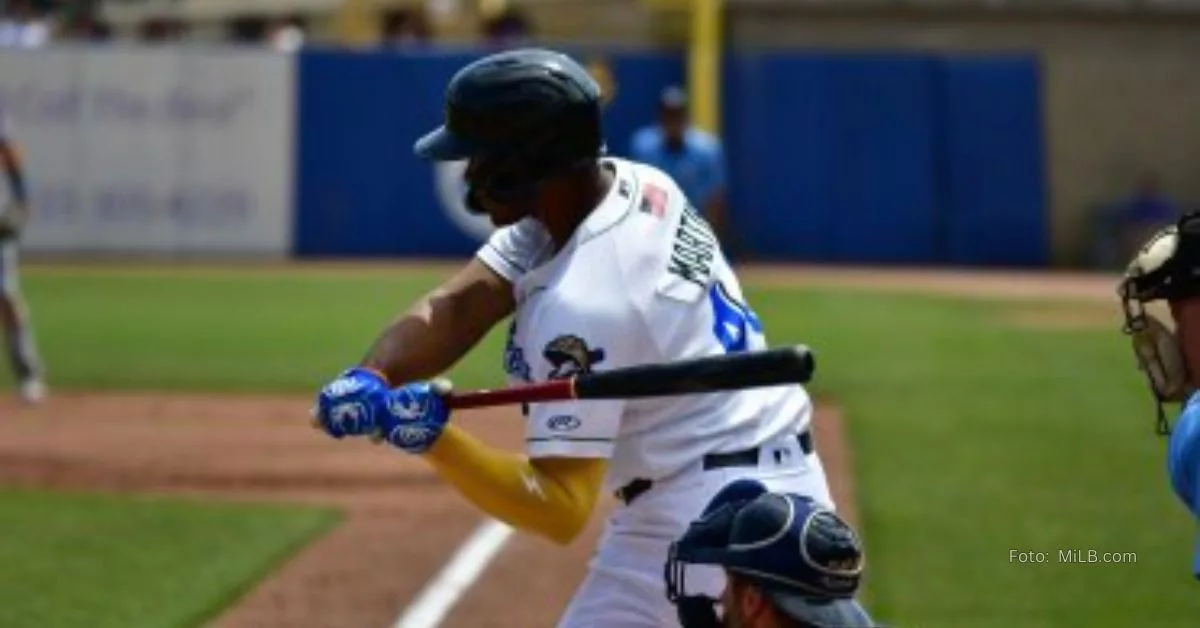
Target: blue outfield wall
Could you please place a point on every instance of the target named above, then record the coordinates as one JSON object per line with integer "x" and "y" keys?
{"x": 993, "y": 166}
{"x": 833, "y": 157}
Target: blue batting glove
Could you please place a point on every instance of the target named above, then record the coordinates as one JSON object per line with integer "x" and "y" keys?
{"x": 345, "y": 406}
{"x": 412, "y": 417}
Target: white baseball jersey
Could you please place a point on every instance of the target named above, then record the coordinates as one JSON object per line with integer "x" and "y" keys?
{"x": 642, "y": 280}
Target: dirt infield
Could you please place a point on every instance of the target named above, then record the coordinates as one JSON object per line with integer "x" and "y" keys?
{"x": 999, "y": 285}
{"x": 401, "y": 524}
{"x": 1002, "y": 284}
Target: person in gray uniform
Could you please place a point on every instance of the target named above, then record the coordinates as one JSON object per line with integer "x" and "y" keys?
{"x": 14, "y": 312}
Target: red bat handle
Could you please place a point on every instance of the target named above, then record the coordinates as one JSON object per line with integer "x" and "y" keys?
{"x": 557, "y": 390}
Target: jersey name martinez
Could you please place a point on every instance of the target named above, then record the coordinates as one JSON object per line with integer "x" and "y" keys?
{"x": 693, "y": 249}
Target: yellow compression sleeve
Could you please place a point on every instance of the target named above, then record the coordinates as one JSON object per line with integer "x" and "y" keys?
{"x": 552, "y": 497}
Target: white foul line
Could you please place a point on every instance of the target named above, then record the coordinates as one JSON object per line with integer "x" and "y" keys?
{"x": 464, "y": 568}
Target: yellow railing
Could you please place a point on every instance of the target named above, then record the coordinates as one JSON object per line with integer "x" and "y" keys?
{"x": 357, "y": 22}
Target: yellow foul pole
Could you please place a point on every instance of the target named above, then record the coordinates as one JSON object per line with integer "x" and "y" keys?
{"x": 704, "y": 63}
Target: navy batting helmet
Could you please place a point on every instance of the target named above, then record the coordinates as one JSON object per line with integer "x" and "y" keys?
{"x": 804, "y": 558}
{"x": 520, "y": 116}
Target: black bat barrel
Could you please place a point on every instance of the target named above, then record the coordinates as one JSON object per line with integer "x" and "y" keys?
{"x": 773, "y": 367}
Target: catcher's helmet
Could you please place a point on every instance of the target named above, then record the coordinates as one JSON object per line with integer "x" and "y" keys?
{"x": 520, "y": 116}
{"x": 805, "y": 558}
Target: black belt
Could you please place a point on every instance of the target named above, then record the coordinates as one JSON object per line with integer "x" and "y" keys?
{"x": 744, "y": 458}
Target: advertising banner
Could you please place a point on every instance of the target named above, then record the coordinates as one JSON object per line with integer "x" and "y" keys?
{"x": 154, "y": 150}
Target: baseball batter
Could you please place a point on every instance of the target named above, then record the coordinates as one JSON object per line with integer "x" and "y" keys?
{"x": 602, "y": 263}
{"x": 14, "y": 313}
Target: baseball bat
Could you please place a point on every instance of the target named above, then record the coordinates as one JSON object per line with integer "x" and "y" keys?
{"x": 772, "y": 367}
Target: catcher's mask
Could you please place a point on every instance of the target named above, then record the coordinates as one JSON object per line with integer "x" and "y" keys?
{"x": 710, "y": 530}
{"x": 804, "y": 558}
{"x": 1166, "y": 268}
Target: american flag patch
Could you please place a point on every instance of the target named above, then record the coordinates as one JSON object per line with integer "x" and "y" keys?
{"x": 654, "y": 200}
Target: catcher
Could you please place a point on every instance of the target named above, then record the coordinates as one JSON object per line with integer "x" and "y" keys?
{"x": 1167, "y": 268}
{"x": 753, "y": 535}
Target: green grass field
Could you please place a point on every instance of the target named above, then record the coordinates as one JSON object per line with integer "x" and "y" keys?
{"x": 972, "y": 438}
{"x": 99, "y": 561}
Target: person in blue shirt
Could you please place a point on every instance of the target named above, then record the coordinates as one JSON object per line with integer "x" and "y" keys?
{"x": 1144, "y": 212}
{"x": 1167, "y": 268}
{"x": 1183, "y": 461}
{"x": 692, "y": 156}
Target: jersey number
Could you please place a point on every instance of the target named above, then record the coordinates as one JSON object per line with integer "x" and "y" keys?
{"x": 733, "y": 321}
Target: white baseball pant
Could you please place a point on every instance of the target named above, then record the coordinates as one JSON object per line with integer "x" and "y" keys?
{"x": 624, "y": 585}
{"x": 18, "y": 334}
